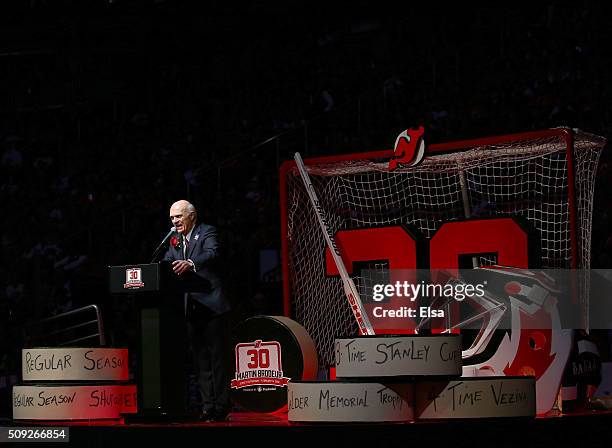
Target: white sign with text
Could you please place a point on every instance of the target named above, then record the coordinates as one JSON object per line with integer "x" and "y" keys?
{"x": 409, "y": 355}
{"x": 337, "y": 401}
{"x": 75, "y": 364}
{"x": 486, "y": 397}
{"x": 46, "y": 402}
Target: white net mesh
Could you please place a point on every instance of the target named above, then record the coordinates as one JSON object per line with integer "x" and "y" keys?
{"x": 525, "y": 178}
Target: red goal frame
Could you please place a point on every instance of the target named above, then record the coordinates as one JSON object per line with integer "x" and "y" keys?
{"x": 566, "y": 134}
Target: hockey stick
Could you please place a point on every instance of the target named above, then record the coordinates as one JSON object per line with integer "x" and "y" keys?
{"x": 365, "y": 327}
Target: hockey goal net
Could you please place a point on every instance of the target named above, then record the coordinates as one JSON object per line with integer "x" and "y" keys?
{"x": 546, "y": 178}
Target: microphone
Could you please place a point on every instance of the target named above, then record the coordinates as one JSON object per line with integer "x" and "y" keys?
{"x": 156, "y": 253}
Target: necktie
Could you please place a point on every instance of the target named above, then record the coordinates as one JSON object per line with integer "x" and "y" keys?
{"x": 185, "y": 250}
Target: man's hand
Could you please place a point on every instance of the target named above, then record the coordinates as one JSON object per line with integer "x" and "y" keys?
{"x": 181, "y": 266}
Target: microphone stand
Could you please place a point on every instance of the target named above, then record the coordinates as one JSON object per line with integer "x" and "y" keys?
{"x": 161, "y": 245}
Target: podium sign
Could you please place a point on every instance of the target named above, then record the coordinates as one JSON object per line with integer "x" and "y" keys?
{"x": 142, "y": 278}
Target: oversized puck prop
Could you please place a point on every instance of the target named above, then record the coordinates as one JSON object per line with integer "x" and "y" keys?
{"x": 75, "y": 364}
{"x": 270, "y": 351}
{"x": 398, "y": 356}
{"x": 337, "y": 401}
{"x": 476, "y": 397}
{"x": 73, "y": 402}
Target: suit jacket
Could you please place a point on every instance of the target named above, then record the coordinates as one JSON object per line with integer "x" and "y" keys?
{"x": 204, "y": 251}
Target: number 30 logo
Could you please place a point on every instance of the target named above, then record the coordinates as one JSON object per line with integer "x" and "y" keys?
{"x": 259, "y": 358}
{"x": 403, "y": 249}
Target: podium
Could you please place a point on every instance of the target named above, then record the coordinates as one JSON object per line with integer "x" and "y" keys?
{"x": 162, "y": 343}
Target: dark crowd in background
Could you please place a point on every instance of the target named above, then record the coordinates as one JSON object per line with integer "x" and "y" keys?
{"x": 112, "y": 110}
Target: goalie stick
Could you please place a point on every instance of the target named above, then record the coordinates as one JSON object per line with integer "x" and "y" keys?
{"x": 365, "y": 327}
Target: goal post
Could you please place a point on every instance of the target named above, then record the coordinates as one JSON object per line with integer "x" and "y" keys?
{"x": 545, "y": 178}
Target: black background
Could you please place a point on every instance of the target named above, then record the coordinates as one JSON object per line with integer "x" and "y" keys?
{"x": 112, "y": 110}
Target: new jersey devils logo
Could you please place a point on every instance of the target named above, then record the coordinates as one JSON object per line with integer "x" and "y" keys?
{"x": 409, "y": 148}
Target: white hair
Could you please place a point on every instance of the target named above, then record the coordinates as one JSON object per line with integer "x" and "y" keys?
{"x": 190, "y": 208}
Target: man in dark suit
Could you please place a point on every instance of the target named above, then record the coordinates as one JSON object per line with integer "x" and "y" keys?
{"x": 196, "y": 249}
